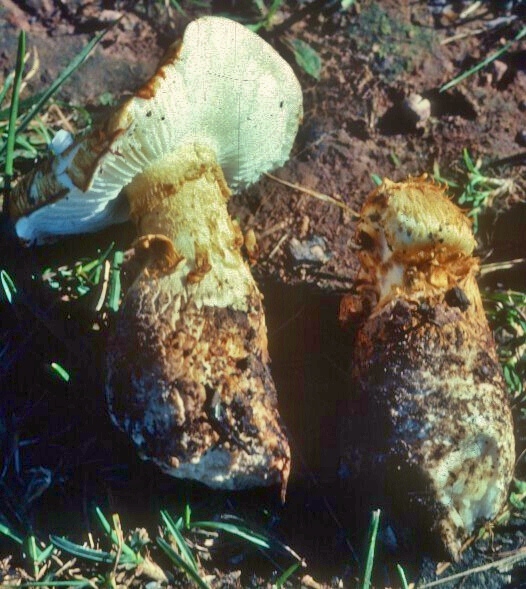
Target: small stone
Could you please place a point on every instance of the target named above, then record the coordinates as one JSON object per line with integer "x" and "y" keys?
{"x": 310, "y": 252}
{"x": 499, "y": 68}
{"x": 419, "y": 108}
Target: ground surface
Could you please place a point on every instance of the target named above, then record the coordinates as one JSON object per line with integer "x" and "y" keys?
{"x": 373, "y": 57}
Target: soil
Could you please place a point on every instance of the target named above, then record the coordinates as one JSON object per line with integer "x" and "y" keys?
{"x": 356, "y": 124}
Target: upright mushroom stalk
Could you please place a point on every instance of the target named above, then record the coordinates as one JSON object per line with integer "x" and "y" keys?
{"x": 188, "y": 367}
{"x": 440, "y": 432}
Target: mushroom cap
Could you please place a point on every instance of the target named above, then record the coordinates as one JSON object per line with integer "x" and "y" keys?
{"x": 415, "y": 215}
{"x": 222, "y": 87}
{"x": 413, "y": 238}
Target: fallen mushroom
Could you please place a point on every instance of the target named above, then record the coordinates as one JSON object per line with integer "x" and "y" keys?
{"x": 438, "y": 432}
{"x": 188, "y": 368}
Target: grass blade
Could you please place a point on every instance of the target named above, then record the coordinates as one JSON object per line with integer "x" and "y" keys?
{"x": 180, "y": 563}
{"x": 115, "y": 281}
{"x": 484, "y": 62}
{"x": 187, "y": 516}
{"x": 60, "y": 371}
{"x": 8, "y": 286}
{"x": 403, "y": 579}
{"x": 243, "y": 531}
{"x": 13, "y": 111}
{"x": 73, "y": 65}
{"x": 32, "y": 553}
{"x": 126, "y": 550}
{"x": 373, "y": 533}
{"x": 23, "y": 105}
{"x": 235, "y": 530}
{"x": 44, "y": 554}
{"x": 7, "y": 84}
{"x": 7, "y": 532}
{"x": 87, "y": 270}
{"x": 82, "y": 551}
{"x": 284, "y": 577}
{"x": 185, "y": 551}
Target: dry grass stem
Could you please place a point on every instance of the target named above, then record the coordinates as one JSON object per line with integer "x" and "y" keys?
{"x": 319, "y": 195}
{"x": 496, "y": 266}
{"x": 278, "y": 245}
{"x": 501, "y": 564}
{"x": 104, "y": 286}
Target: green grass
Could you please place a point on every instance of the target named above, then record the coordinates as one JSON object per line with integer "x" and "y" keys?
{"x": 22, "y": 133}
{"x": 94, "y": 276}
{"x": 373, "y": 534}
{"x": 506, "y": 310}
{"x": 475, "y": 190}
{"x": 132, "y": 555}
{"x": 13, "y": 110}
{"x": 485, "y": 62}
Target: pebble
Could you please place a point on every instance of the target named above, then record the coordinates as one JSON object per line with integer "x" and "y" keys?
{"x": 419, "y": 107}
{"x": 310, "y": 252}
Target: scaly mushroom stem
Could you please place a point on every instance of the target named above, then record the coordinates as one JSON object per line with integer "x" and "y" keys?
{"x": 199, "y": 399}
{"x": 183, "y": 198}
{"x": 426, "y": 370}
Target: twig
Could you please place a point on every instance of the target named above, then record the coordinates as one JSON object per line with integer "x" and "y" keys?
{"x": 315, "y": 194}
{"x": 104, "y": 287}
{"x": 460, "y": 36}
{"x": 273, "y": 229}
{"x": 470, "y": 9}
{"x": 278, "y": 245}
{"x": 513, "y": 160}
{"x": 490, "y": 25}
{"x": 62, "y": 118}
{"x": 507, "y": 561}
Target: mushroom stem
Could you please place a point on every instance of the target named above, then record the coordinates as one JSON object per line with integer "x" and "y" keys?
{"x": 184, "y": 198}
{"x": 426, "y": 370}
{"x": 199, "y": 399}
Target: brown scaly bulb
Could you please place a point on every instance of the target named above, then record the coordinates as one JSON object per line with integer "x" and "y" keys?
{"x": 441, "y": 433}
{"x": 188, "y": 367}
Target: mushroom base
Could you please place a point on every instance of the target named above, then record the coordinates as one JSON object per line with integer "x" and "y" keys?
{"x": 192, "y": 388}
{"x": 430, "y": 391}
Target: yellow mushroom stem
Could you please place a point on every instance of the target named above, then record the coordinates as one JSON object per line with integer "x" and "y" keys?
{"x": 183, "y": 197}
{"x": 188, "y": 366}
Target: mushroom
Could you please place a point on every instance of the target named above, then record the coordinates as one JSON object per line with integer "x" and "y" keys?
{"x": 188, "y": 368}
{"x": 426, "y": 369}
